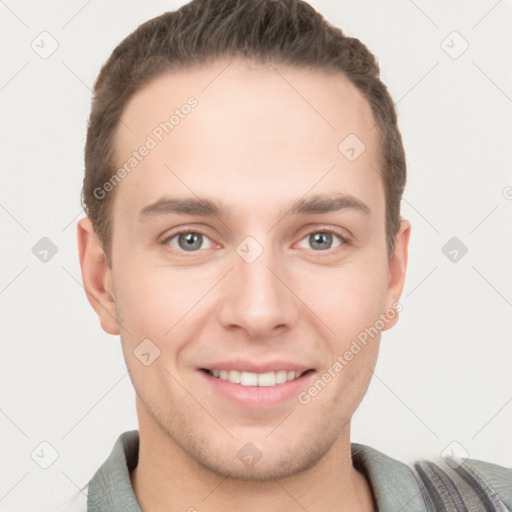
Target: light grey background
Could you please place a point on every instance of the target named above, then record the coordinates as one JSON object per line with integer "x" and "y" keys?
{"x": 444, "y": 370}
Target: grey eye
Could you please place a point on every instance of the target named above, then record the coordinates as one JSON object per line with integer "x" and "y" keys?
{"x": 190, "y": 241}
{"x": 320, "y": 240}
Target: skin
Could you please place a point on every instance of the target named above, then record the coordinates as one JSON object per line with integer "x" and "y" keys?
{"x": 256, "y": 145}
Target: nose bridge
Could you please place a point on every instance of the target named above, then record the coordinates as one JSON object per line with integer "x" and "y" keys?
{"x": 255, "y": 299}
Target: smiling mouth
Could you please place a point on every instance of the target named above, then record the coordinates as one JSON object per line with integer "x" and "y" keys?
{"x": 256, "y": 379}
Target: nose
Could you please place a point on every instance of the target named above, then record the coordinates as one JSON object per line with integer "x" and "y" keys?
{"x": 256, "y": 297}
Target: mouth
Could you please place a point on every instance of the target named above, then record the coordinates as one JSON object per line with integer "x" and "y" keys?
{"x": 250, "y": 379}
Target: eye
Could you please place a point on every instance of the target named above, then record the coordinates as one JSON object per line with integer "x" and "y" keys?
{"x": 189, "y": 241}
{"x": 321, "y": 240}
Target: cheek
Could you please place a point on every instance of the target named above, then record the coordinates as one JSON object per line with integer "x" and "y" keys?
{"x": 154, "y": 300}
{"x": 347, "y": 299}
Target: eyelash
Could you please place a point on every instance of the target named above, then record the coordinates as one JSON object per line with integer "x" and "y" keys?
{"x": 344, "y": 239}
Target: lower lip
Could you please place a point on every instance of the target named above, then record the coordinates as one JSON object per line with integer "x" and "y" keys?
{"x": 259, "y": 396}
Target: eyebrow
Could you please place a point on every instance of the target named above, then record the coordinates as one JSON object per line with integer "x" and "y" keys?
{"x": 314, "y": 204}
{"x": 324, "y": 204}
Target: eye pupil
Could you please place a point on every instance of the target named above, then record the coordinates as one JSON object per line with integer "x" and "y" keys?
{"x": 190, "y": 241}
{"x": 317, "y": 239}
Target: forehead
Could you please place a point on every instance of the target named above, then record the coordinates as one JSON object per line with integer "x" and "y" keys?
{"x": 247, "y": 132}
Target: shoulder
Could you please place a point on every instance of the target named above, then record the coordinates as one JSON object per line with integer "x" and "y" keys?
{"x": 476, "y": 484}
{"x": 498, "y": 477}
{"x": 425, "y": 485}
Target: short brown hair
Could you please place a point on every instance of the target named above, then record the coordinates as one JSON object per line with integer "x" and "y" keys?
{"x": 288, "y": 32}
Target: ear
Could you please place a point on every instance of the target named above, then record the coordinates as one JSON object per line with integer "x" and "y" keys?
{"x": 397, "y": 269}
{"x": 97, "y": 276}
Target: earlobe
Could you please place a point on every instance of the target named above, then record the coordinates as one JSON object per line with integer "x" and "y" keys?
{"x": 397, "y": 270}
{"x": 97, "y": 276}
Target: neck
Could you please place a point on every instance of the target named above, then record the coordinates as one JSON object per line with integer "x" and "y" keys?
{"x": 169, "y": 479}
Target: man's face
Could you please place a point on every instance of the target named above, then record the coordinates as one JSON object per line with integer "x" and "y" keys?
{"x": 258, "y": 285}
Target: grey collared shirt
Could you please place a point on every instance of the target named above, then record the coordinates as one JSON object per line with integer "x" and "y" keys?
{"x": 393, "y": 483}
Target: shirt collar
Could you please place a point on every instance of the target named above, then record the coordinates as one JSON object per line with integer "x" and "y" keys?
{"x": 110, "y": 489}
{"x": 393, "y": 483}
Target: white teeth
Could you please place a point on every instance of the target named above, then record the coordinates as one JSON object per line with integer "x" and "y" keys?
{"x": 267, "y": 379}
{"x": 256, "y": 379}
{"x": 234, "y": 376}
{"x": 248, "y": 379}
{"x": 281, "y": 376}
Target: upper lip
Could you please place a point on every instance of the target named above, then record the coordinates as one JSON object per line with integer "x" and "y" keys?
{"x": 255, "y": 367}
